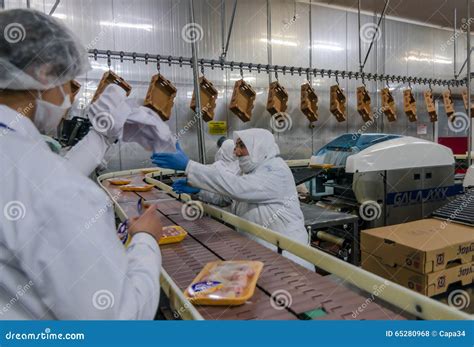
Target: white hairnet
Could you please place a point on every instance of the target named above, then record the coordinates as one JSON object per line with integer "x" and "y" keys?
{"x": 226, "y": 152}
{"x": 260, "y": 144}
{"x": 37, "y": 51}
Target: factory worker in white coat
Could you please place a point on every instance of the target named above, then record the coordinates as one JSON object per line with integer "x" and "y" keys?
{"x": 224, "y": 159}
{"x": 263, "y": 192}
{"x": 60, "y": 257}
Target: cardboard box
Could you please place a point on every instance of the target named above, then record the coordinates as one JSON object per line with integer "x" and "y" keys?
{"x": 427, "y": 284}
{"x": 424, "y": 246}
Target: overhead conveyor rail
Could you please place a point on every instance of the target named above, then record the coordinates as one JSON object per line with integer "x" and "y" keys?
{"x": 210, "y": 238}
{"x": 268, "y": 68}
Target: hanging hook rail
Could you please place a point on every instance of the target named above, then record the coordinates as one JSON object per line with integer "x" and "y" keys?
{"x": 275, "y": 69}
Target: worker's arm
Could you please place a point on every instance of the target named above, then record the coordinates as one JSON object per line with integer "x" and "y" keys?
{"x": 76, "y": 262}
{"x": 88, "y": 153}
{"x": 254, "y": 188}
{"x": 214, "y": 198}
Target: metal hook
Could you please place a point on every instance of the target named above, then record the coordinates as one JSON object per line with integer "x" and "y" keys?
{"x": 212, "y": 64}
{"x": 202, "y": 67}
{"x": 307, "y": 74}
{"x": 180, "y": 61}
{"x": 276, "y": 72}
{"x": 121, "y": 56}
{"x": 169, "y": 60}
{"x": 146, "y": 58}
{"x": 95, "y": 54}
{"x": 241, "y": 70}
{"x": 158, "y": 59}
{"x": 337, "y": 78}
{"x": 363, "y": 80}
{"x": 134, "y": 57}
{"x": 250, "y": 67}
{"x": 259, "y": 66}
{"x": 109, "y": 62}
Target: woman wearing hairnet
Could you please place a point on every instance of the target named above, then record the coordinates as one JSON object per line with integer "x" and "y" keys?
{"x": 264, "y": 192}
{"x": 58, "y": 237}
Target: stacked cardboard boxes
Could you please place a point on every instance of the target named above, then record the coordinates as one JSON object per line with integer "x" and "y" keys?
{"x": 427, "y": 255}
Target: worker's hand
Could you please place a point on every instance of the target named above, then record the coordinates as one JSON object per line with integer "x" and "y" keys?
{"x": 109, "y": 112}
{"x": 148, "y": 222}
{"x": 181, "y": 186}
{"x": 176, "y": 161}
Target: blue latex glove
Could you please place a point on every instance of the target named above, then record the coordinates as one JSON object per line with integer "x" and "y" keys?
{"x": 181, "y": 186}
{"x": 175, "y": 161}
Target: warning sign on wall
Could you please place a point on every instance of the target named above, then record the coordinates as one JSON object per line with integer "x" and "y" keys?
{"x": 217, "y": 127}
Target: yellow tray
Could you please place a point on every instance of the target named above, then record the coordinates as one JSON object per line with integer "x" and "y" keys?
{"x": 147, "y": 171}
{"x": 136, "y": 188}
{"x": 119, "y": 181}
{"x": 210, "y": 296}
{"x": 169, "y": 234}
{"x": 321, "y": 166}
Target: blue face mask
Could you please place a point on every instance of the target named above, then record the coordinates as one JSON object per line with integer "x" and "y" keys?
{"x": 48, "y": 115}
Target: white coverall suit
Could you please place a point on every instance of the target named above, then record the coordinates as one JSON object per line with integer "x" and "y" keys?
{"x": 266, "y": 196}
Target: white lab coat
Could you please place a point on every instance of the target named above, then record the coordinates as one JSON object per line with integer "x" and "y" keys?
{"x": 58, "y": 239}
{"x": 128, "y": 121}
{"x": 267, "y": 196}
{"x": 223, "y": 160}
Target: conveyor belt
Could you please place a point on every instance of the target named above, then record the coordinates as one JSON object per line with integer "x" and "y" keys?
{"x": 460, "y": 210}
{"x": 304, "y": 174}
{"x": 210, "y": 240}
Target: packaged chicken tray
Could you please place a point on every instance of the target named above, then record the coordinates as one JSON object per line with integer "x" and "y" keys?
{"x": 172, "y": 234}
{"x": 225, "y": 283}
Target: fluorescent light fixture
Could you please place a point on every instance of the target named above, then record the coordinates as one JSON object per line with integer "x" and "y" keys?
{"x": 246, "y": 78}
{"x": 281, "y": 42}
{"x": 59, "y": 15}
{"x": 327, "y": 46}
{"x": 147, "y": 27}
{"x": 428, "y": 58}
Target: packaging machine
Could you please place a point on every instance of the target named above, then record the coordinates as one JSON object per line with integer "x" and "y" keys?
{"x": 378, "y": 179}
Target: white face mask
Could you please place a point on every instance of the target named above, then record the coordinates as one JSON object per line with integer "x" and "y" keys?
{"x": 48, "y": 115}
{"x": 246, "y": 164}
